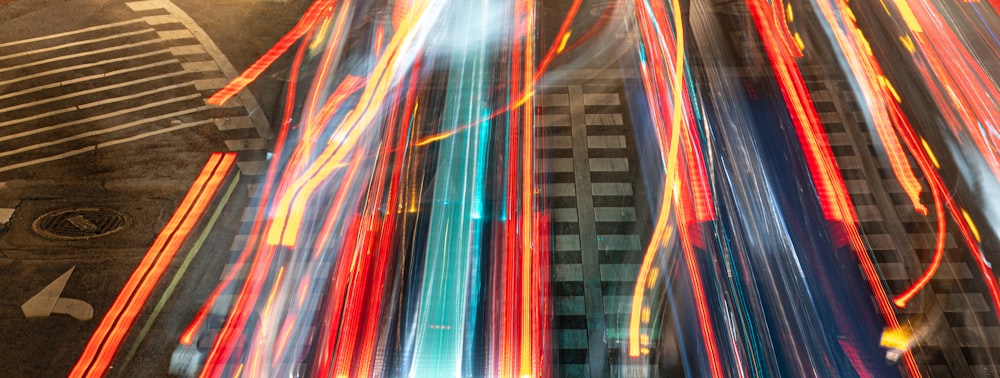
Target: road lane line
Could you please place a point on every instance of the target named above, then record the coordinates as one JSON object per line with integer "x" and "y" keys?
{"x": 101, "y": 145}
{"x": 98, "y": 118}
{"x": 95, "y": 90}
{"x": 153, "y": 133}
{"x": 102, "y": 131}
{"x": 250, "y": 103}
{"x": 87, "y": 78}
{"x": 91, "y": 104}
{"x": 168, "y": 292}
{"x": 104, "y": 344}
{"x": 76, "y": 43}
{"x": 84, "y": 66}
{"x": 64, "y": 34}
{"x": 133, "y": 96}
{"x": 65, "y": 110}
{"x": 37, "y": 116}
{"x": 82, "y": 54}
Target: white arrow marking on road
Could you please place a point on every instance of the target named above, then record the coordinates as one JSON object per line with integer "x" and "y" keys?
{"x": 48, "y": 302}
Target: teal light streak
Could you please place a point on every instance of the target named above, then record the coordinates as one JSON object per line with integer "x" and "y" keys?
{"x": 446, "y": 314}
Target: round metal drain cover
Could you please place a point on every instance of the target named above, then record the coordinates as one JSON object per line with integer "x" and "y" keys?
{"x": 80, "y": 224}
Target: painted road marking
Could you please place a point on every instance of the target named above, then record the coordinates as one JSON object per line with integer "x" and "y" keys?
{"x": 48, "y": 302}
{"x": 5, "y": 214}
{"x": 82, "y": 54}
{"x": 101, "y": 131}
{"x": 246, "y": 144}
{"x": 248, "y": 101}
{"x": 97, "y": 118}
{"x": 102, "y": 145}
{"x": 106, "y": 340}
{"x": 88, "y": 78}
{"x": 169, "y": 291}
{"x": 77, "y": 43}
{"x": 103, "y": 89}
{"x": 51, "y": 126}
{"x": 66, "y": 34}
{"x": 79, "y": 67}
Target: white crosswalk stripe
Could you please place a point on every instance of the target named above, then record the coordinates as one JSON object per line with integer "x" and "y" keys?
{"x": 68, "y": 93}
{"x": 590, "y": 196}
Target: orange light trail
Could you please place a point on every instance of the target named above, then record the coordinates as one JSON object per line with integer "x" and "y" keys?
{"x": 106, "y": 340}
{"x": 655, "y": 85}
{"x": 829, "y": 184}
{"x": 188, "y": 335}
{"x": 330, "y": 53}
{"x": 291, "y": 205}
{"x": 880, "y": 95}
{"x": 527, "y": 201}
{"x": 308, "y": 21}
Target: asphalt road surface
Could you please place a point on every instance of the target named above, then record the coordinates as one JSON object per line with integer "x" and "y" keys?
{"x": 102, "y": 107}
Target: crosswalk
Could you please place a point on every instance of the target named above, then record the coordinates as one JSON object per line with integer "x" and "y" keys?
{"x": 79, "y": 91}
{"x": 902, "y": 242}
{"x": 588, "y": 161}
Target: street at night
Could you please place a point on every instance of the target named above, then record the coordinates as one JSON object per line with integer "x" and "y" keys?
{"x": 480, "y": 188}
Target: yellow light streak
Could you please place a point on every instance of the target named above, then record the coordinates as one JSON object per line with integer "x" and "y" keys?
{"x": 908, "y": 16}
{"x": 972, "y": 225}
{"x": 562, "y": 43}
{"x": 930, "y": 153}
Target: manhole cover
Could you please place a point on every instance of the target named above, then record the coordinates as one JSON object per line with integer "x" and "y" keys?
{"x": 80, "y": 224}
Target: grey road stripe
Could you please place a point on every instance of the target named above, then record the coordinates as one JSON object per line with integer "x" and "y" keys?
{"x": 553, "y": 99}
{"x": 601, "y": 99}
{"x": 96, "y": 90}
{"x": 606, "y": 141}
{"x": 77, "y": 43}
{"x": 160, "y": 19}
{"x": 97, "y": 118}
{"x": 963, "y": 302}
{"x": 246, "y": 144}
{"x": 92, "y": 104}
{"x": 89, "y": 77}
{"x": 596, "y": 322}
{"x": 37, "y": 116}
{"x": 135, "y": 95}
{"x": 83, "y": 66}
{"x": 609, "y": 165}
{"x": 84, "y": 106}
{"x": 557, "y": 165}
{"x": 252, "y": 168}
{"x": 564, "y": 75}
{"x": 101, "y": 131}
{"x": 175, "y": 34}
{"x": 141, "y": 6}
{"x": 615, "y": 214}
{"x": 233, "y": 123}
{"x": 612, "y": 189}
{"x": 102, "y": 145}
{"x": 82, "y": 54}
{"x": 64, "y": 34}
{"x": 551, "y": 120}
{"x": 249, "y": 102}
{"x": 611, "y": 119}
{"x": 188, "y": 50}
